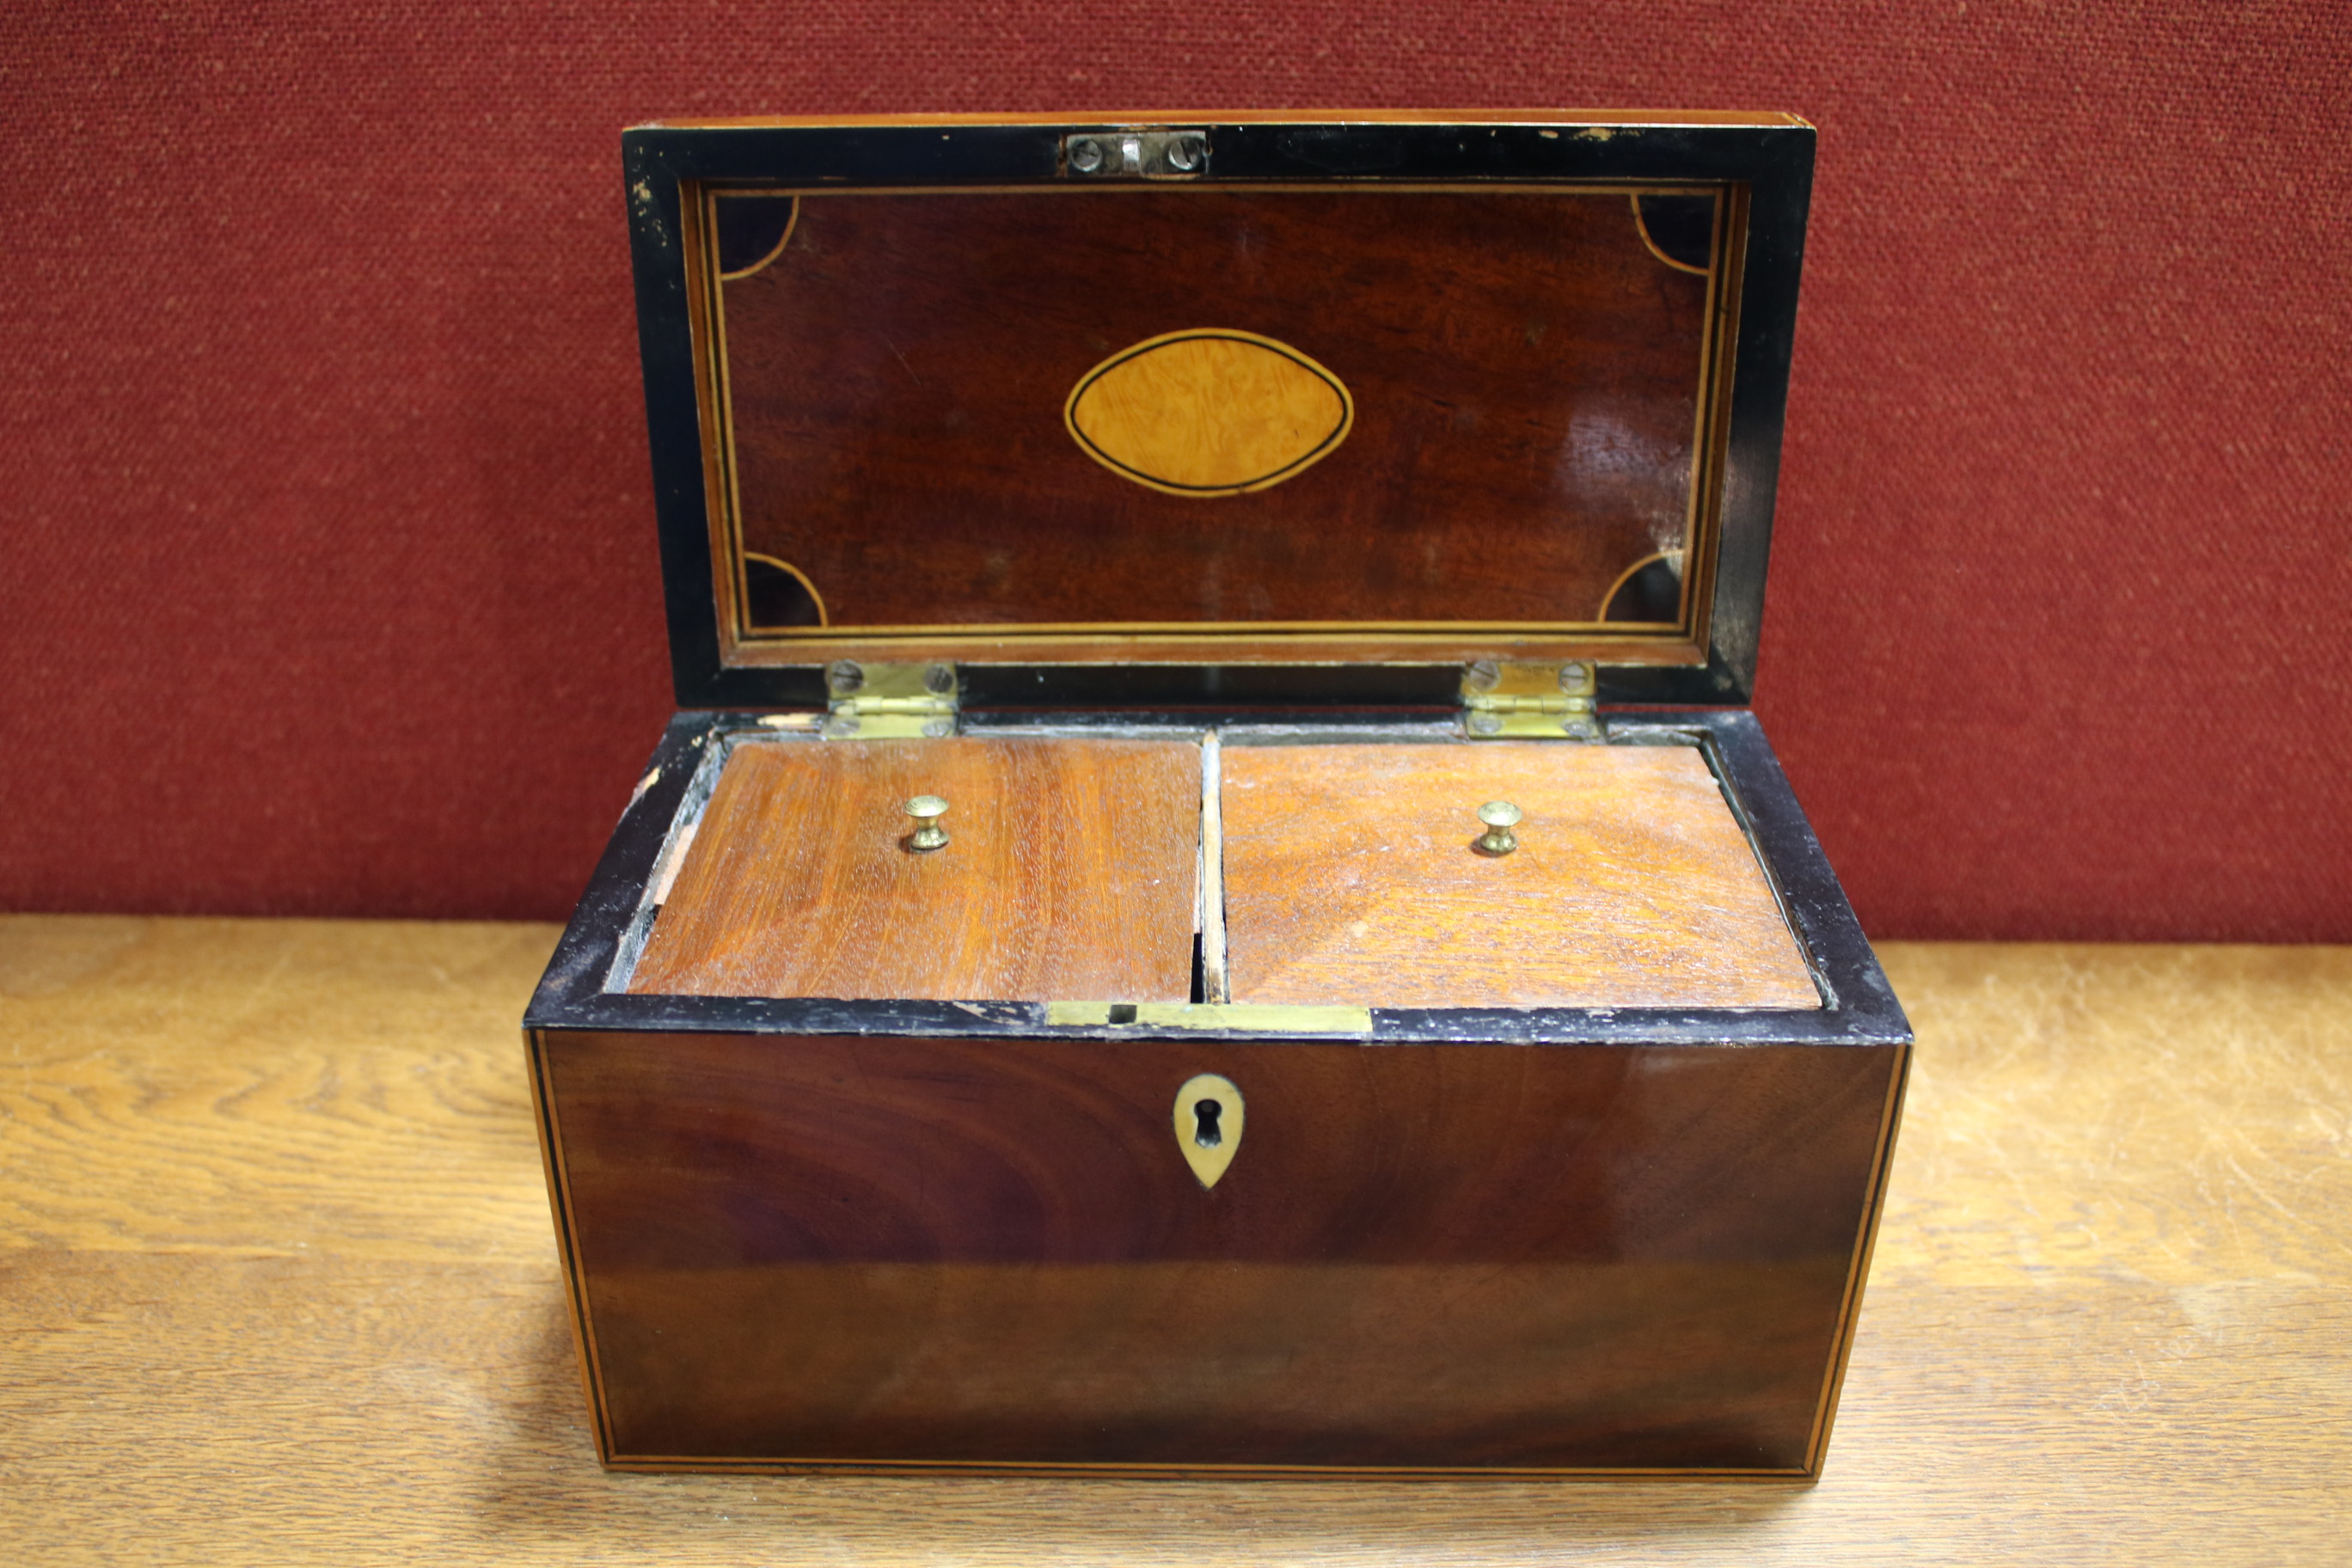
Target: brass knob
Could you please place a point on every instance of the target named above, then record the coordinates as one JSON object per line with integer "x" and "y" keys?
{"x": 1499, "y": 815}
{"x": 926, "y": 810}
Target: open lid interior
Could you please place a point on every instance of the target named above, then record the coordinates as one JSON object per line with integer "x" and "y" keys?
{"x": 1038, "y": 416}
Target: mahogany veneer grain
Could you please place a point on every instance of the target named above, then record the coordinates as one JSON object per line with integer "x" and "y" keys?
{"x": 896, "y": 376}
{"x": 994, "y": 1252}
{"x": 1350, "y": 877}
{"x": 1070, "y": 872}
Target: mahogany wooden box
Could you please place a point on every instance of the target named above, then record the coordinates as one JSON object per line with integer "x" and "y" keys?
{"x": 1371, "y": 1001}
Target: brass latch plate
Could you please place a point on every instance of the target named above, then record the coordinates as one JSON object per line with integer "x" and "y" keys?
{"x": 890, "y": 701}
{"x": 1530, "y": 702}
{"x": 1246, "y": 1018}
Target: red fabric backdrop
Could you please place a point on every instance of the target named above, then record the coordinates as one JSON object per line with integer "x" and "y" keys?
{"x": 330, "y": 581}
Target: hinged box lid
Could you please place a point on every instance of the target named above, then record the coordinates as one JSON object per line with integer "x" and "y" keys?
{"x": 1217, "y": 408}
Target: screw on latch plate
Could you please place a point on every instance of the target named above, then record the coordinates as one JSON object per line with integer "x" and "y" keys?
{"x": 1208, "y": 1125}
{"x": 1136, "y": 155}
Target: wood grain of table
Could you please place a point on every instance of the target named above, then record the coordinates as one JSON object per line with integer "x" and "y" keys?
{"x": 278, "y": 1285}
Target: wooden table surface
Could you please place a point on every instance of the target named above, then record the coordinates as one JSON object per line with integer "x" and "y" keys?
{"x": 277, "y": 1284}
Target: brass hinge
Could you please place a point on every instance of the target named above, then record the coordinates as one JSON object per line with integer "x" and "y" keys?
{"x": 1530, "y": 702}
{"x": 890, "y": 701}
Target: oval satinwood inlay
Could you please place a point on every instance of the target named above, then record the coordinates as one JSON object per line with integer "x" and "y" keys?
{"x": 1209, "y": 412}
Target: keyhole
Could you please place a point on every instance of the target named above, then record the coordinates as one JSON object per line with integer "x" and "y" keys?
{"x": 1209, "y": 1120}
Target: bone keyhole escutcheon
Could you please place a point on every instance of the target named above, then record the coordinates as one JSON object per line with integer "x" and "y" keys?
{"x": 1208, "y": 1125}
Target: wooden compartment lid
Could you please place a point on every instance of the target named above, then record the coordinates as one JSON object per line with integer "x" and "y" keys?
{"x": 1208, "y": 405}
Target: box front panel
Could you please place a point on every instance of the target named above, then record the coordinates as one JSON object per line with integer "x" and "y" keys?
{"x": 893, "y": 1250}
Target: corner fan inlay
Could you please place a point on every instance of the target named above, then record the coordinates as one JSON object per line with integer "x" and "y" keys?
{"x": 1209, "y": 413}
